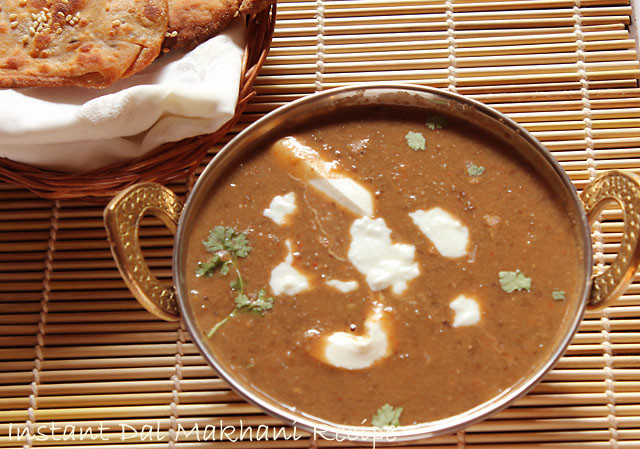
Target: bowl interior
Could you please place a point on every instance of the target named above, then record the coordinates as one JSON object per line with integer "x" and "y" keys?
{"x": 303, "y": 111}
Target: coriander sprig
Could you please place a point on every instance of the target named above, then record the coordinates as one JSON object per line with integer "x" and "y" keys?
{"x": 227, "y": 246}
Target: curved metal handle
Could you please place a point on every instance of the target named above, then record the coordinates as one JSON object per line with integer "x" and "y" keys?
{"x": 625, "y": 189}
{"x": 122, "y": 220}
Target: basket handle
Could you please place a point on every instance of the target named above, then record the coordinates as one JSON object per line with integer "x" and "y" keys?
{"x": 623, "y": 187}
{"x": 122, "y": 220}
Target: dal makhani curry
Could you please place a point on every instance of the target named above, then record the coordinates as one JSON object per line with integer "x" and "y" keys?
{"x": 385, "y": 266}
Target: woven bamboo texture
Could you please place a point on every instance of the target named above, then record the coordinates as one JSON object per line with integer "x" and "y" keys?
{"x": 77, "y": 350}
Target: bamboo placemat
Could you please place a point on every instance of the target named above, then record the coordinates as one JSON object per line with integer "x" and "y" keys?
{"x": 77, "y": 350}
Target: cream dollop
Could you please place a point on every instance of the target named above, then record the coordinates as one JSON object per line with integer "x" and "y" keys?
{"x": 281, "y": 207}
{"x": 467, "y": 311}
{"x": 385, "y": 264}
{"x": 448, "y": 235}
{"x": 306, "y": 164}
{"x": 353, "y": 352}
{"x": 342, "y": 286}
{"x": 286, "y": 279}
{"x": 347, "y": 192}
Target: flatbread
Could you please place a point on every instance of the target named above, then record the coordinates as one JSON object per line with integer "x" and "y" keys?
{"x": 192, "y": 22}
{"x": 87, "y": 43}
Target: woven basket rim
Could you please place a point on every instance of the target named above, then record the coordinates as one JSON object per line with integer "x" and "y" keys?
{"x": 166, "y": 163}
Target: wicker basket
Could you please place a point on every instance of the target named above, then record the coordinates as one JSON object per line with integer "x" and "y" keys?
{"x": 171, "y": 161}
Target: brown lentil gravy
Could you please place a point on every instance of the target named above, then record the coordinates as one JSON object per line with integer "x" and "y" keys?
{"x": 435, "y": 370}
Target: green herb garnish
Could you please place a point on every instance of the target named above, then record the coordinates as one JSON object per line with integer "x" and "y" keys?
{"x": 227, "y": 246}
{"x": 510, "y": 281}
{"x": 257, "y": 304}
{"x": 436, "y": 121}
{"x": 210, "y": 267}
{"x": 416, "y": 141}
{"x": 475, "y": 170}
{"x": 227, "y": 239}
{"x": 558, "y": 295}
{"x": 387, "y": 416}
{"x": 260, "y": 304}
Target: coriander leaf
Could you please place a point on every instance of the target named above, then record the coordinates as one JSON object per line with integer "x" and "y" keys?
{"x": 263, "y": 302}
{"x": 259, "y": 305}
{"x": 475, "y": 170}
{"x": 224, "y": 269}
{"x": 239, "y": 246}
{"x": 242, "y": 301}
{"x": 416, "y": 141}
{"x": 227, "y": 239}
{"x": 511, "y": 281}
{"x": 436, "y": 121}
{"x": 215, "y": 241}
{"x": 208, "y": 268}
{"x": 205, "y": 269}
{"x": 234, "y": 285}
{"x": 558, "y": 295}
{"x": 387, "y": 416}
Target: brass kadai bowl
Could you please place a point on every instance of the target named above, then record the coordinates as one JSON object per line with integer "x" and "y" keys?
{"x": 123, "y": 214}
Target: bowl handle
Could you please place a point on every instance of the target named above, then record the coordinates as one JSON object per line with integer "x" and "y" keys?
{"x": 122, "y": 219}
{"x": 623, "y": 187}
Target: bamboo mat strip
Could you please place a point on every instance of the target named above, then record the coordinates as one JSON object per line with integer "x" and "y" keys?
{"x": 75, "y": 349}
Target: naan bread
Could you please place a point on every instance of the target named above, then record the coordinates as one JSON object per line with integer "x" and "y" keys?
{"x": 192, "y": 22}
{"x": 87, "y": 43}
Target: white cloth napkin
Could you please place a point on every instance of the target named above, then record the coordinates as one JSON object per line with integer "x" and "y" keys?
{"x": 74, "y": 129}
